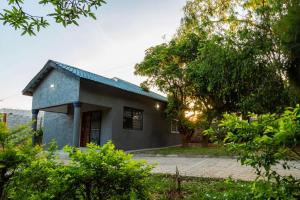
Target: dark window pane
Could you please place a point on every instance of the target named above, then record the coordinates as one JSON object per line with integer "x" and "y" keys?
{"x": 132, "y": 118}
{"x": 174, "y": 126}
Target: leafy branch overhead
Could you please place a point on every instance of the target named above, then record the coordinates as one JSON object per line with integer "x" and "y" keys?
{"x": 65, "y": 12}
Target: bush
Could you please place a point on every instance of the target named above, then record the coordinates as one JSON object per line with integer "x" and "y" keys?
{"x": 16, "y": 152}
{"x": 95, "y": 173}
{"x": 262, "y": 143}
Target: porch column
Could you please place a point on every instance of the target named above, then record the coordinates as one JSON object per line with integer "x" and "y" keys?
{"x": 35, "y": 113}
{"x": 76, "y": 123}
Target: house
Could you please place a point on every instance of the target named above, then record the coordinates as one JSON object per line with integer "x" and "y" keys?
{"x": 17, "y": 117}
{"x": 82, "y": 107}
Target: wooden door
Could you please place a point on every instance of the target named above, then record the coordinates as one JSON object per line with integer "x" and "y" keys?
{"x": 90, "y": 128}
{"x": 85, "y": 129}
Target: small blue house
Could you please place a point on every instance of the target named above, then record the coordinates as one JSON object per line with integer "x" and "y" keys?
{"x": 82, "y": 107}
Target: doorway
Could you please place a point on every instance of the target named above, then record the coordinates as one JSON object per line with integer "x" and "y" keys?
{"x": 90, "y": 128}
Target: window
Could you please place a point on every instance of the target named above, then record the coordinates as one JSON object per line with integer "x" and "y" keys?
{"x": 174, "y": 126}
{"x": 132, "y": 118}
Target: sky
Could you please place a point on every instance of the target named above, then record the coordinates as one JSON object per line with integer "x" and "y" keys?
{"x": 109, "y": 46}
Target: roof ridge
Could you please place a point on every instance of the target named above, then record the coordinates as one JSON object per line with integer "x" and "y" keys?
{"x": 125, "y": 81}
{"x": 57, "y": 62}
{"x": 101, "y": 75}
{"x": 87, "y": 75}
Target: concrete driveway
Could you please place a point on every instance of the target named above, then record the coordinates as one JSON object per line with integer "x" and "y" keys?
{"x": 209, "y": 167}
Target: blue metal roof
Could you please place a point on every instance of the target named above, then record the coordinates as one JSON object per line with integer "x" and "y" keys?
{"x": 82, "y": 74}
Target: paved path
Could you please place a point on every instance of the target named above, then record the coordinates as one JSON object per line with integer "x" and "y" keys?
{"x": 209, "y": 167}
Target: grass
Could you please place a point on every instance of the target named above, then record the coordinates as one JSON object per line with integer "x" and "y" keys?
{"x": 190, "y": 151}
{"x": 197, "y": 188}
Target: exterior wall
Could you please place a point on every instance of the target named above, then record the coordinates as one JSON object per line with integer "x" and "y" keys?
{"x": 65, "y": 90}
{"x": 16, "y": 117}
{"x": 156, "y": 129}
{"x": 111, "y": 101}
{"x": 58, "y": 126}
{"x": 106, "y": 126}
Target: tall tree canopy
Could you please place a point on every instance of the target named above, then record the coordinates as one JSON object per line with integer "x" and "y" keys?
{"x": 228, "y": 56}
{"x": 274, "y": 28}
{"x": 165, "y": 66}
{"x": 232, "y": 80}
{"x": 65, "y": 12}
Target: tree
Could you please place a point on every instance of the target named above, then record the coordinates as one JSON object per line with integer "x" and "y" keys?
{"x": 65, "y": 12}
{"x": 231, "y": 78}
{"x": 287, "y": 29}
{"x": 225, "y": 57}
{"x": 165, "y": 67}
{"x": 220, "y": 62}
{"x": 275, "y": 26}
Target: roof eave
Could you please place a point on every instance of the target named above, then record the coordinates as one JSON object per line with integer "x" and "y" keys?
{"x": 40, "y": 75}
{"x": 164, "y": 100}
{"x": 50, "y": 65}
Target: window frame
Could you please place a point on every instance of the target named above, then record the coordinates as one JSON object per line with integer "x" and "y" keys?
{"x": 132, "y": 111}
{"x": 172, "y": 124}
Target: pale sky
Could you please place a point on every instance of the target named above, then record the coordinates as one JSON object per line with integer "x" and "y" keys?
{"x": 109, "y": 46}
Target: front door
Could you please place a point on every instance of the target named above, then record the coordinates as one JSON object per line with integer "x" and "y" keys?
{"x": 90, "y": 128}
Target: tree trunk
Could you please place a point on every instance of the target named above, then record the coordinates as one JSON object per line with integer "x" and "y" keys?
{"x": 88, "y": 191}
{"x": 186, "y": 139}
{"x": 2, "y": 183}
{"x": 1, "y": 191}
{"x": 205, "y": 141}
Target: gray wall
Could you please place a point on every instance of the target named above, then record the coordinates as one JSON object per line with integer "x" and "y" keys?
{"x": 65, "y": 90}
{"x": 156, "y": 129}
{"x": 17, "y": 117}
{"x": 58, "y": 126}
{"x": 111, "y": 101}
{"x": 106, "y": 126}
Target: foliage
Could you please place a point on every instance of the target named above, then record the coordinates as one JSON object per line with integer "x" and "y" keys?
{"x": 95, "y": 173}
{"x": 231, "y": 79}
{"x": 263, "y": 142}
{"x": 241, "y": 65}
{"x": 65, "y": 12}
{"x": 227, "y": 56}
{"x": 273, "y": 26}
{"x": 39, "y": 132}
{"x": 165, "y": 67}
{"x": 16, "y": 152}
{"x": 287, "y": 30}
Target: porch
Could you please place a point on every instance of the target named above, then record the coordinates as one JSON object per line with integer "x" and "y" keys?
{"x": 86, "y": 123}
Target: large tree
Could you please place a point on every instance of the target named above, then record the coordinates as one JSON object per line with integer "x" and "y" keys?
{"x": 225, "y": 57}
{"x": 65, "y": 12}
{"x": 275, "y": 28}
{"x": 165, "y": 66}
{"x": 234, "y": 79}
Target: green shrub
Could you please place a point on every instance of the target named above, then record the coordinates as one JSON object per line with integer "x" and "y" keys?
{"x": 95, "y": 173}
{"x": 16, "y": 152}
{"x": 262, "y": 143}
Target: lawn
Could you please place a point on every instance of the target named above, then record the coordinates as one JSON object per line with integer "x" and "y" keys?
{"x": 189, "y": 151}
{"x": 197, "y": 188}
